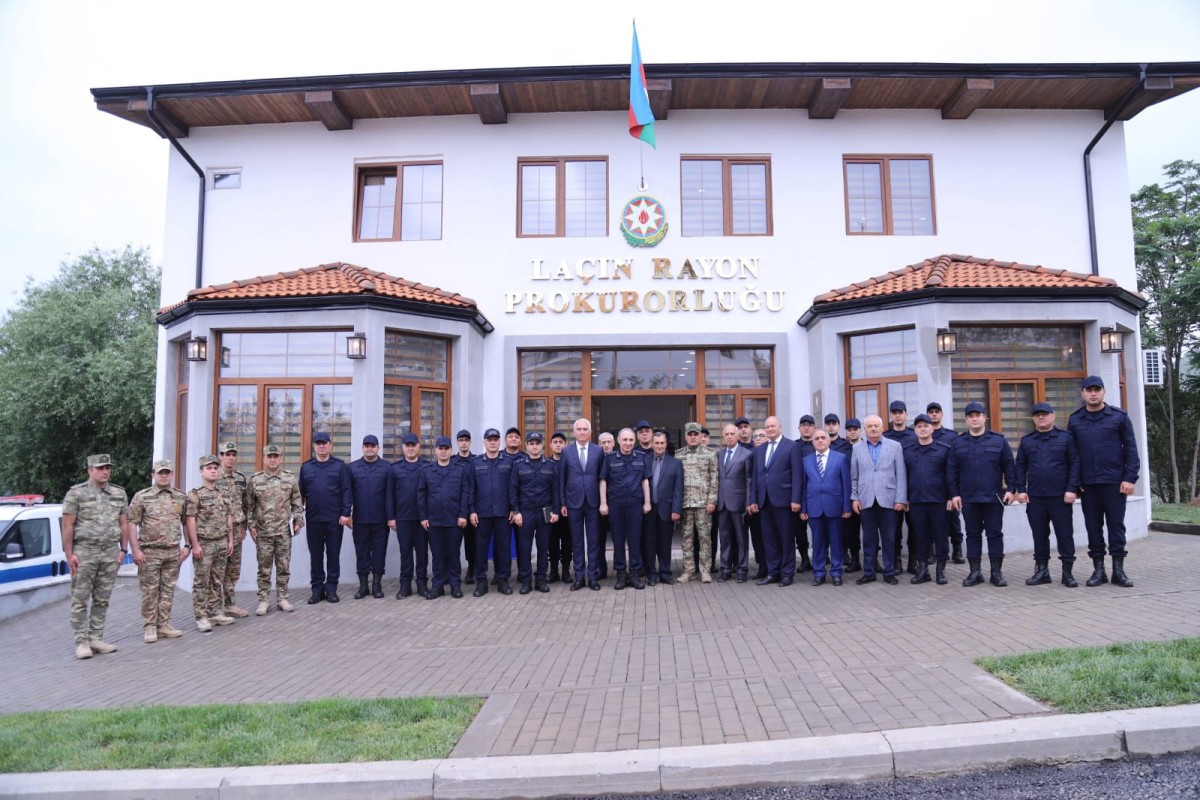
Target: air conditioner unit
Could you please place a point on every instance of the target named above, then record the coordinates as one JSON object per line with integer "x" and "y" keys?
{"x": 1153, "y": 367}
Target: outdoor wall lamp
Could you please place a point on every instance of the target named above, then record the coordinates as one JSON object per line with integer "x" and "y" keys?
{"x": 1111, "y": 340}
{"x": 197, "y": 349}
{"x": 356, "y": 345}
{"x": 947, "y": 342}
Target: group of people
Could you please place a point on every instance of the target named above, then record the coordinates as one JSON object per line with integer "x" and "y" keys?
{"x": 837, "y": 496}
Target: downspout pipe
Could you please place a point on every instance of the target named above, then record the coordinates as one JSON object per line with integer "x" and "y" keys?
{"x": 162, "y": 130}
{"x": 1087, "y": 164}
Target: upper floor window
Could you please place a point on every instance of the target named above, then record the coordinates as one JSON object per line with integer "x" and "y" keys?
{"x": 881, "y": 366}
{"x": 399, "y": 202}
{"x": 726, "y": 196}
{"x": 562, "y": 197}
{"x": 889, "y": 195}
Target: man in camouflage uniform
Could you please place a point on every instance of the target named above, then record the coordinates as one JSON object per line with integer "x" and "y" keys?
{"x": 158, "y": 513}
{"x": 234, "y": 485}
{"x": 699, "y": 502}
{"x": 210, "y": 520}
{"x": 274, "y": 500}
{"x": 95, "y": 537}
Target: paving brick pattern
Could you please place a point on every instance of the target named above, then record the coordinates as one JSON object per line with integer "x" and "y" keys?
{"x": 594, "y": 671}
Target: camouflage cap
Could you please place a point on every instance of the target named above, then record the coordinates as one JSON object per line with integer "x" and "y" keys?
{"x": 209, "y": 459}
{"x": 164, "y": 465}
{"x": 227, "y": 447}
{"x": 272, "y": 450}
{"x": 692, "y": 427}
{"x": 100, "y": 460}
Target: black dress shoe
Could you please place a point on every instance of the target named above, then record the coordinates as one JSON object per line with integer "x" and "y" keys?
{"x": 553, "y": 576}
{"x": 433, "y": 594}
{"x": 762, "y": 573}
{"x": 317, "y": 596}
{"x": 331, "y": 595}
{"x": 820, "y": 580}
{"x": 526, "y": 588}
{"x": 503, "y": 587}
{"x": 542, "y": 586}
{"x": 890, "y": 580}
{"x": 405, "y": 591}
{"x": 456, "y": 592}
{"x": 724, "y": 576}
{"x": 865, "y": 579}
{"x": 593, "y": 584}
{"x": 469, "y": 579}
{"x": 480, "y": 589}
{"x": 666, "y": 580}
{"x": 622, "y": 581}
{"x": 765, "y": 580}
{"x": 741, "y": 578}
{"x": 576, "y": 586}
{"x": 652, "y": 580}
{"x": 786, "y": 581}
{"x": 637, "y": 582}
{"x": 837, "y": 580}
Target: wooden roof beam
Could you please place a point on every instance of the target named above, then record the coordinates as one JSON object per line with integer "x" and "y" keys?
{"x": 1155, "y": 89}
{"x": 969, "y": 95}
{"x": 660, "y": 91}
{"x": 827, "y": 99}
{"x": 328, "y": 110}
{"x": 489, "y": 104}
{"x": 169, "y": 121}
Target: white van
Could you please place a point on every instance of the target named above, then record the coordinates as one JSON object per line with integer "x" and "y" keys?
{"x": 33, "y": 569}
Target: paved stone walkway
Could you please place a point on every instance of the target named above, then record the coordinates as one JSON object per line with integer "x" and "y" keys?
{"x": 593, "y": 671}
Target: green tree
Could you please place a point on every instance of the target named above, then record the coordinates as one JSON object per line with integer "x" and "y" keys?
{"x": 1166, "y": 229}
{"x": 77, "y": 358}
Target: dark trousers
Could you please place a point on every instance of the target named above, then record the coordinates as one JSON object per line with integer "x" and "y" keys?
{"x": 536, "y": 529}
{"x": 657, "y": 549}
{"x": 625, "y": 521}
{"x": 602, "y": 546}
{"x": 414, "y": 546}
{"x": 370, "y": 546}
{"x": 801, "y": 528}
{"x": 827, "y": 546}
{"x": 734, "y": 554}
{"x": 1103, "y": 504}
{"x": 978, "y": 517}
{"x": 1044, "y": 511}
{"x": 470, "y": 551}
{"x": 879, "y": 524}
{"x": 754, "y": 525}
{"x": 325, "y": 554}
{"x": 778, "y": 531}
{"x": 931, "y": 530}
{"x": 560, "y": 543}
{"x": 585, "y": 541}
{"x": 852, "y": 535}
{"x": 956, "y": 534}
{"x": 445, "y": 542}
{"x": 494, "y": 532}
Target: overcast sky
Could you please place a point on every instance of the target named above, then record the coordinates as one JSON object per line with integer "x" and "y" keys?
{"x": 73, "y": 177}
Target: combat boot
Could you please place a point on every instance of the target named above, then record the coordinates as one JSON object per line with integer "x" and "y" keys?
{"x": 1068, "y": 579}
{"x": 940, "y": 574}
{"x": 1119, "y": 577}
{"x": 974, "y": 578}
{"x": 167, "y": 632}
{"x": 956, "y": 555}
{"x": 284, "y": 605}
{"x": 705, "y": 577}
{"x": 1099, "y": 576}
{"x": 101, "y": 647}
{"x": 622, "y": 580}
{"x": 997, "y": 578}
{"x": 1040, "y": 574}
{"x": 423, "y": 587}
{"x": 553, "y": 578}
{"x": 150, "y": 634}
{"x": 262, "y": 609}
{"x": 405, "y": 590}
{"x": 637, "y": 582}
{"x": 203, "y": 625}
{"x": 235, "y": 612}
{"x": 481, "y": 588}
{"x": 922, "y": 575}
{"x": 914, "y": 566}
{"x": 363, "y": 591}
{"x": 377, "y": 585}
{"x": 220, "y": 619}
{"x": 83, "y": 651}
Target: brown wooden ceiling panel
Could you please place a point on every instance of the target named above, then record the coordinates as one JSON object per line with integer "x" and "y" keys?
{"x": 900, "y": 93}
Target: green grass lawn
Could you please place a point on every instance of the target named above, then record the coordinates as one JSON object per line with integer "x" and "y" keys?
{"x": 321, "y": 731}
{"x": 1132, "y": 675}
{"x": 1174, "y": 512}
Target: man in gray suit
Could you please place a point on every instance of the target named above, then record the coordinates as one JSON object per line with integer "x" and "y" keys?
{"x": 879, "y": 492}
{"x": 733, "y": 489}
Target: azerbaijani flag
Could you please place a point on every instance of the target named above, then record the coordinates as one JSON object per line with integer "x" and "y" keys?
{"x": 641, "y": 118}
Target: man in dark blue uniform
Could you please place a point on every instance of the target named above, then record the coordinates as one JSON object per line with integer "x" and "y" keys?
{"x": 852, "y": 527}
{"x": 1108, "y": 470}
{"x": 560, "y": 532}
{"x": 369, "y": 519}
{"x": 625, "y": 500}
{"x": 444, "y": 496}
{"x": 981, "y": 469}
{"x": 534, "y": 501}
{"x": 404, "y": 517}
{"x": 807, "y": 426}
{"x": 947, "y": 435}
{"x": 464, "y": 457}
{"x": 1047, "y": 477}
{"x": 325, "y": 489}
{"x": 490, "y": 515}
{"x": 928, "y": 463}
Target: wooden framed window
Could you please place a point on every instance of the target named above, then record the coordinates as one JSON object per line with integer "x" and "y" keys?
{"x": 398, "y": 202}
{"x": 889, "y": 195}
{"x": 562, "y": 197}
{"x": 881, "y": 366}
{"x": 725, "y": 196}
{"x": 416, "y": 385}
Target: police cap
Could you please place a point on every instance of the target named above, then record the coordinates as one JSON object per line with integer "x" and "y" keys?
{"x": 643, "y": 423}
{"x": 922, "y": 418}
{"x": 1043, "y": 408}
{"x": 409, "y": 438}
{"x": 898, "y": 405}
{"x": 807, "y": 419}
{"x": 973, "y": 408}
{"x": 832, "y": 418}
{"x": 320, "y": 436}
{"x": 853, "y": 423}
{"x": 740, "y": 421}
{"x": 934, "y": 406}
{"x": 370, "y": 438}
{"x": 1093, "y": 380}
{"x": 491, "y": 433}
{"x": 533, "y": 436}
{"x": 442, "y": 441}
{"x": 463, "y": 434}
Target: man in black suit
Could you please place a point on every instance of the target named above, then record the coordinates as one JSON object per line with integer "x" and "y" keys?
{"x": 666, "y": 507}
{"x": 778, "y": 484}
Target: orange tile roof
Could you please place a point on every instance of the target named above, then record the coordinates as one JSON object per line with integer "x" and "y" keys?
{"x": 963, "y": 272}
